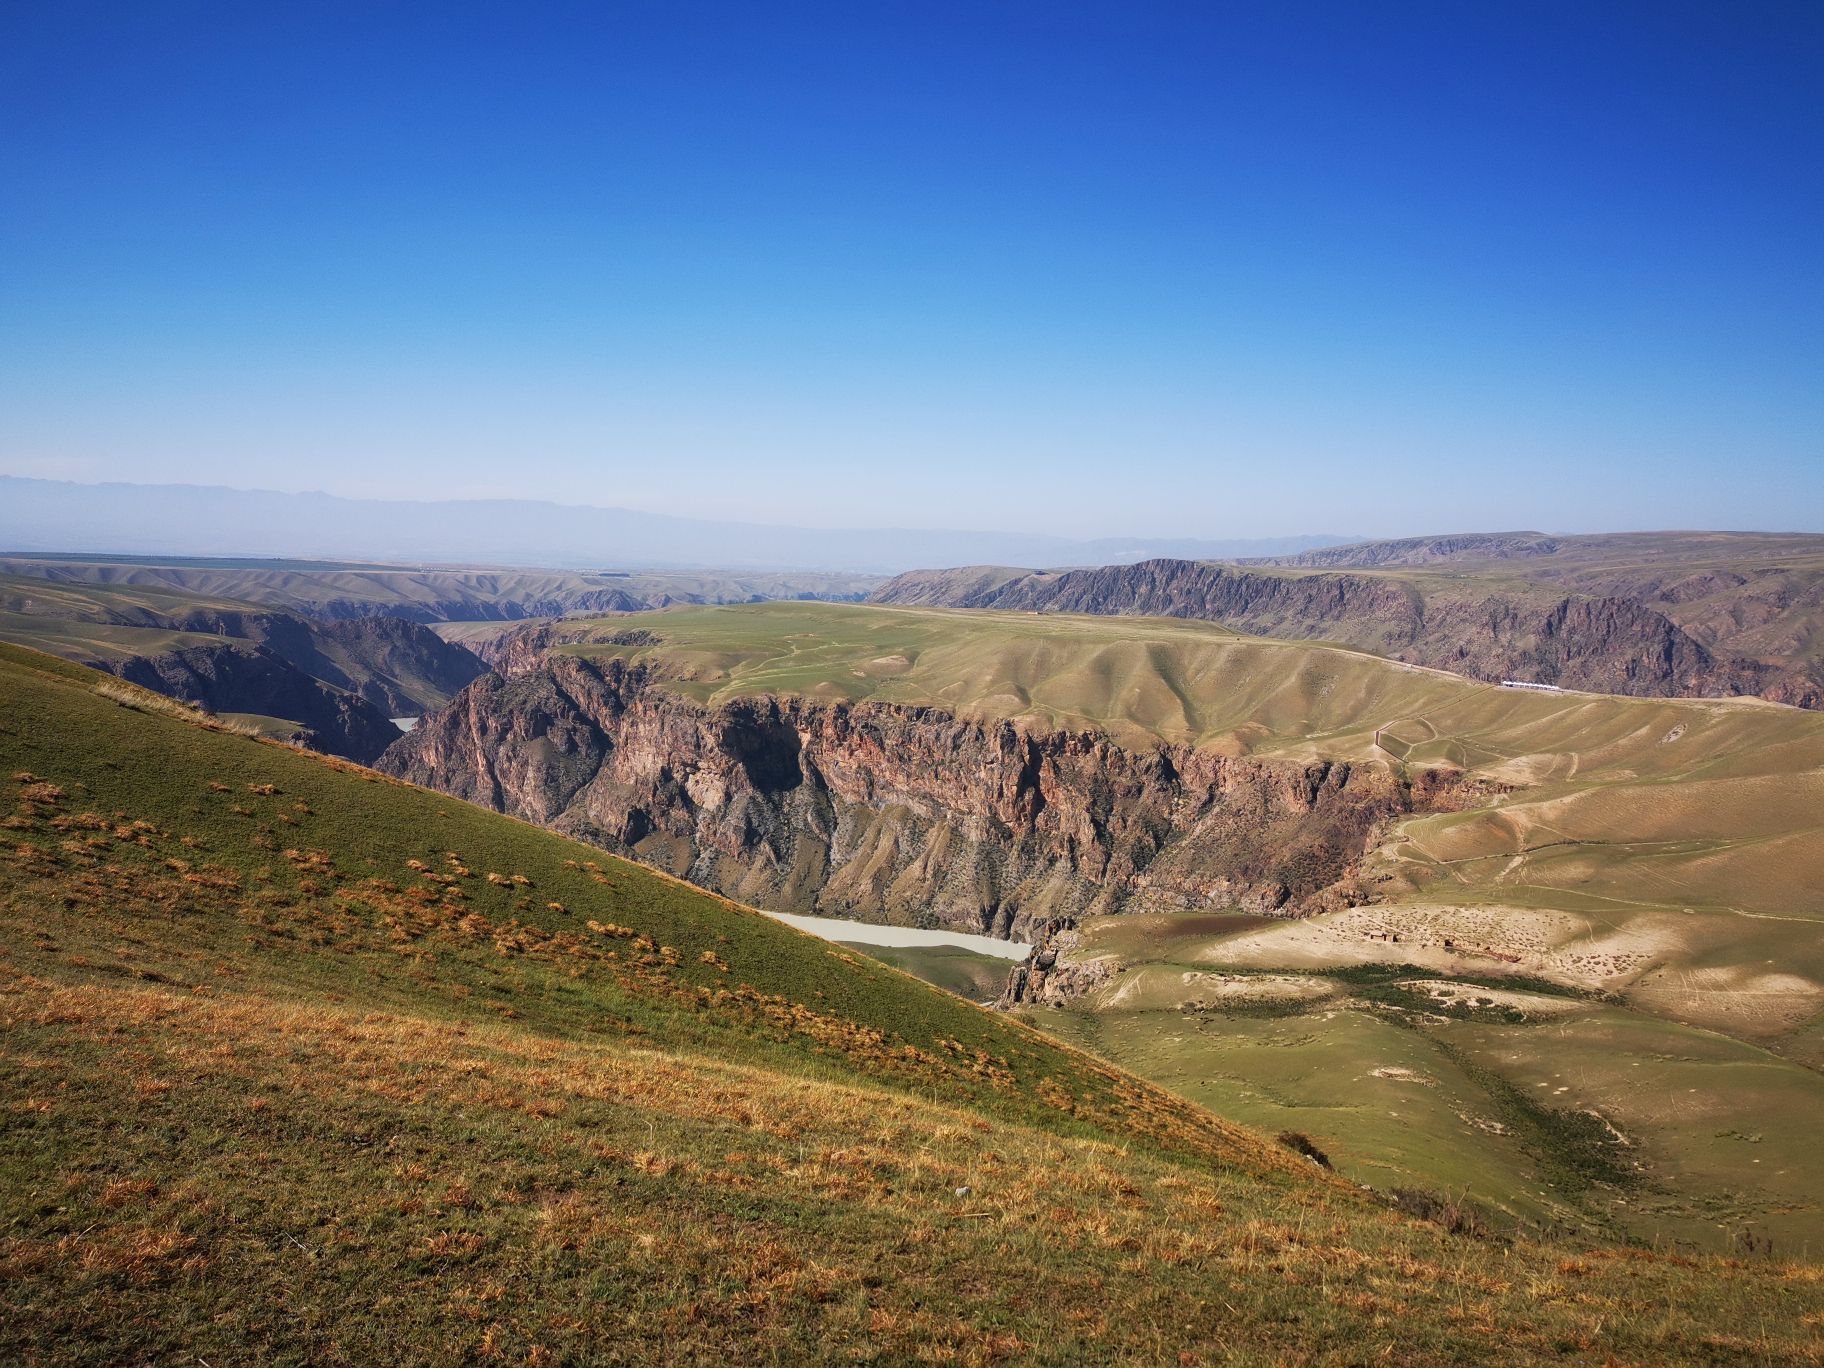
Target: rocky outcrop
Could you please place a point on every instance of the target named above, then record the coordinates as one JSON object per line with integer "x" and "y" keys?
{"x": 1610, "y": 644}
{"x": 1045, "y": 978}
{"x": 524, "y": 648}
{"x": 1295, "y": 606}
{"x": 906, "y": 814}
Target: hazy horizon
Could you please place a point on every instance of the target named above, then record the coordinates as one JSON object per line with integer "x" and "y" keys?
{"x": 883, "y": 520}
{"x": 1159, "y": 272}
{"x": 189, "y": 520}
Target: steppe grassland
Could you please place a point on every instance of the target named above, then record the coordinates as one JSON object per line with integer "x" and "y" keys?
{"x": 304, "y": 1064}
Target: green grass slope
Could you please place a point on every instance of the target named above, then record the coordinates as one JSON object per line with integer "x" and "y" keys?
{"x": 302, "y": 1065}
{"x": 81, "y": 622}
{"x": 1139, "y": 679}
{"x": 1150, "y": 679}
{"x": 967, "y": 973}
{"x": 1544, "y": 1104}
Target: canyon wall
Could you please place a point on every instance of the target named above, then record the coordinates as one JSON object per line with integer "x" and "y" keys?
{"x": 401, "y": 667}
{"x": 902, "y": 814}
{"x": 1605, "y": 643}
{"x": 237, "y": 677}
{"x": 340, "y": 682}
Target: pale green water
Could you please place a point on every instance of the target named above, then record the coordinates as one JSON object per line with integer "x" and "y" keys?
{"x": 866, "y": 933}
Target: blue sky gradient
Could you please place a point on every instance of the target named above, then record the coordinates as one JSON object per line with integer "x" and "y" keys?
{"x": 1206, "y": 270}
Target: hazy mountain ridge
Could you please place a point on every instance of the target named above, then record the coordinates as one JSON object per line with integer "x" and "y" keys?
{"x": 196, "y": 520}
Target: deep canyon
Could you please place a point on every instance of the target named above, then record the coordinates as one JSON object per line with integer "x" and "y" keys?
{"x": 907, "y": 814}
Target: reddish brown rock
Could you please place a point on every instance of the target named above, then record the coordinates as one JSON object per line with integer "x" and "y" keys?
{"x": 906, "y": 814}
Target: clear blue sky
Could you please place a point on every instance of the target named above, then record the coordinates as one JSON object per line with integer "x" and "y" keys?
{"x": 1217, "y": 269}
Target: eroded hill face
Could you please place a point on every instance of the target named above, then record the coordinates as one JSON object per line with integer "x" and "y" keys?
{"x": 996, "y": 771}
{"x": 1670, "y": 614}
{"x": 301, "y": 1064}
{"x": 942, "y": 767}
{"x": 912, "y": 815}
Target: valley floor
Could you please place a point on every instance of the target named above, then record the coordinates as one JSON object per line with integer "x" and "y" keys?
{"x": 1552, "y": 1106}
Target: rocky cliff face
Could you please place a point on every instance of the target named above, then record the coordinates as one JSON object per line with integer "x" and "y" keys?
{"x": 1610, "y": 644}
{"x": 1045, "y": 978}
{"x": 904, "y": 814}
{"x": 339, "y": 682}
{"x": 1299, "y": 607}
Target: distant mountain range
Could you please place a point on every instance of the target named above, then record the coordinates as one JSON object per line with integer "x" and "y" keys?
{"x": 208, "y": 520}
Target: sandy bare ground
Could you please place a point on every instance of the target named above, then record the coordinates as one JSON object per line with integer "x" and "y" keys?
{"x": 1651, "y": 958}
{"x": 1233, "y": 988}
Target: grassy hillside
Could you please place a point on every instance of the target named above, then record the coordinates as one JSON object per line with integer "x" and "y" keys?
{"x": 1140, "y": 680}
{"x": 301, "y": 1064}
{"x": 1151, "y": 679}
{"x": 967, "y": 973}
{"x": 1552, "y": 1105}
{"x": 84, "y": 623}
